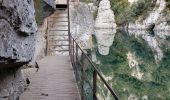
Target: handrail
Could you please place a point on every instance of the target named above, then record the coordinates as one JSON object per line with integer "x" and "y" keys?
{"x": 74, "y": 57}
{"x": 95, "y": 73}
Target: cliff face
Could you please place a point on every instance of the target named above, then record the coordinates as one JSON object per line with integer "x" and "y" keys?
{"x": 105, "y": 27}
{"x": 156, "y": 18}
{"x": 17, "y": 32}
{"x": 82, "y": 24}
{"x": 51, "y": 3}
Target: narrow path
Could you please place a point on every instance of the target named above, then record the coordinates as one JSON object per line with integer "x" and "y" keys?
{"x": 55, "y": 78}
{"x": 54, "y": 81}
{"x": 58, "y": 37}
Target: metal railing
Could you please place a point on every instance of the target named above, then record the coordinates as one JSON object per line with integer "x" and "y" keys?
{"x": 81, "y": 61}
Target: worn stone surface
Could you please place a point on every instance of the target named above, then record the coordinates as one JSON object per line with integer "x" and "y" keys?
{"x": 51, "y": 3}
{"x": 105, "y": 38}
{"x": 82, "y": 24}
{"x": 152, "y": 41}
{"x": 17, "y": 31}
{"x": 156, "y": 17}
{"x": 11, "y": 84}
{"x": 105, "y": 17}
{"x": 105, "y": 27}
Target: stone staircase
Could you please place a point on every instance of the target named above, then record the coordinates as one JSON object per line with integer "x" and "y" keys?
{"x": 57, "y": 33}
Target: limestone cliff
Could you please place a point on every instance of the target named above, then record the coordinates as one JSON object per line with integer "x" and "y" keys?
{"x": 156, "y": 18}
{"x": 17, "y": 45}
{"x": 17, "y": 32}
{"x": 82, "y": 24}
{"x": 105, "y": 27}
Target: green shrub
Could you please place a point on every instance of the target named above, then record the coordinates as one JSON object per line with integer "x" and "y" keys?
{"x": 126, "y": 13}
{"x": 38, "y": 4}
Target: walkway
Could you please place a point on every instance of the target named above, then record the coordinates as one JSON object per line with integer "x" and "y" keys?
{"x": 58, "y": 37}
{"x": 54, "y": 81}
{"x": 55, "y": 78}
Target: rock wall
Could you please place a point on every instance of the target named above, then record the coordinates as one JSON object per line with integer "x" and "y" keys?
{"x": 105, "y": 16}
{"x": 82, "y": 24}
{"x": 51, "y": 3}
{"x": 155, "y": 19}
{"x": 105, "y": 27}
{"x": 153, "y": 42}
{"x": 17, "y": 32}
{"x": 17, "y": 45}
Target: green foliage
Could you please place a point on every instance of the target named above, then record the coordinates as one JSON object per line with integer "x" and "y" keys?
{"x": 168, "y": 4}
{"x": 125, "y": 12}
{"x": 95, "y": 14}
{"x": 39, "y": 11}
{"x": 156, "y": 78}
{"x": 120, "y": 7}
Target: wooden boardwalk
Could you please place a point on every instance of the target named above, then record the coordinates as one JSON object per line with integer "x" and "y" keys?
{"x": 54, "y": 80}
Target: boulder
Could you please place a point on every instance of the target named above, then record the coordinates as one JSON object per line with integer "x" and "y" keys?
{"x": 82, "y": 24}
{"x": 17, "y": 32}
{"x": 105, "y": 17}
{"x": 51, "y": 3}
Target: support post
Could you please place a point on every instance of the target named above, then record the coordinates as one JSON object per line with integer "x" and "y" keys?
{"x": 73, "y": 53}
{"x": 82, "y": 77}
{"x": 94, "y": 84}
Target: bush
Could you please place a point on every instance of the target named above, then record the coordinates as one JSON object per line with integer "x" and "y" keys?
{"x": 125, "y": 13}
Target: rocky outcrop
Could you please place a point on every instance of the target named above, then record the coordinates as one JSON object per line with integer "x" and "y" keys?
{"x": 105, "y": 17}
{"x": 105, "y": 38}
{"x": 12, "y": 84}
{"x": 17, "y": 31}
{"x": 105, "y": 27}
{"x": 51, "y": 3}
{"x": 82, "y": 24}
{"x": 134, "y": 66}
{"x": 152, "y": 41}
{"x": 156, "y": 19}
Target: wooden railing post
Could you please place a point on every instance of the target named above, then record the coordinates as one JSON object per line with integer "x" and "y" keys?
{"x": 94, "y": 85}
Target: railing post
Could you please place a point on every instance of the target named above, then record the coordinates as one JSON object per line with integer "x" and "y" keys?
{"x": 69, "y": 34}
{"x": 73, "y": 52}
{"x": 94, "y": 84}
{"x": 82, "y": 77}
{"x": 46, "y": 53}
{"x": 76, "y": 53}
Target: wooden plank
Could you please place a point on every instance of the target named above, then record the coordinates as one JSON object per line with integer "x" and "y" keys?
{"x": 61, "y": 1}
{"x": 54, "y": 81}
